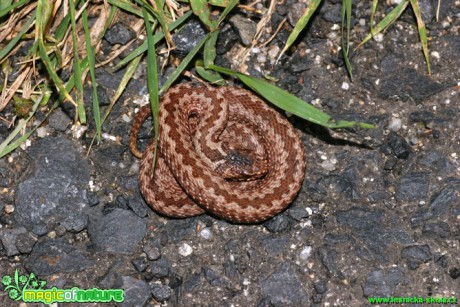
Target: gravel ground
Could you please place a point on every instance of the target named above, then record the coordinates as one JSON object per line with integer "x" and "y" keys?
{"x": 378, "y": 214}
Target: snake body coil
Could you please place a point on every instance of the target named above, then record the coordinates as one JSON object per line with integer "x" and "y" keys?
{"x": 222, "y": 150}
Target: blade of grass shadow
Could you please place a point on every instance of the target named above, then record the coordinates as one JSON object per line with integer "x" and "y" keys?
{"x": 345, "y": 40}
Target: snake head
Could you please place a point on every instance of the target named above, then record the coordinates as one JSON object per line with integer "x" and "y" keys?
{"x": 243, "y": 166}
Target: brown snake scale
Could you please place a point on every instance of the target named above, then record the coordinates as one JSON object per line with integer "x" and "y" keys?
{"x": 222, "y": 150}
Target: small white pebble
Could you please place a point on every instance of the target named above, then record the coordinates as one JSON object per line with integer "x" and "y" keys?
{"x": 395, "y": 124}
{"x": 42, "y": 132}
{"x": 261, "y": 58}
{"x": 345, "y": 86}
{"x": 436, "y": 55}
{"x": 318, "y": 59}
{"x": 185, "y": 250}
{"x": 273, "y": 52}
{"x": 125, "y": 118}
{"x": 378, "y": 37}
{"x": 8, "y": 209}
{"x": 109, "y": 137}
{"x": 206, "y": 233}
{"x": 328, "y": 165}
{"x": 26, "y": 144}
{"x": 305, "y": 253}
{"x": 335, "y": 27}
{"x": 78, "y": 131}
{"x": 362, "y": 22}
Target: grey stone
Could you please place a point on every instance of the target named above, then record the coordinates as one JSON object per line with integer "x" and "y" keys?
{"x": 120, "y": 231}
{"x": 192, "y": 282}
{"x": 160, "y": 268}
{"x": 188, "y": 37}
{"x": 416, "y": 255}
{"x": 75, "y": 222}
{"x": 161, "y": 293}
{"x": 56, "y": 188}
{"x": 277, "y": 223}
{"x": 381, "y": 283}
{"x": 119, "y": 33}
{"x": 245, "y": 28}
{"x": 408, "y": 84}
{"x": 9, "y": 237}
{"x": 59, "y": 121}
{"x": 412, "y": 187}
{"x": 25, "y": 242}
{"x": 399, "y": 146}
{"x": 137, "y": 292}
{"x": 284, "y": 288}
{"x": 51, "y": 256}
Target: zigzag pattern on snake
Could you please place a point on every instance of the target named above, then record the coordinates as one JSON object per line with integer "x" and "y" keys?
{"x": 221, "y": 150}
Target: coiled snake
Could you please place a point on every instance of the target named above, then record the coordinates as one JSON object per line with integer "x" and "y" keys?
{"x": 222, "y": 150}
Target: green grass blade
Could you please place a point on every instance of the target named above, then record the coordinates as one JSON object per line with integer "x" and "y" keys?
{"x": 346, "y": 16}
{"x": 77, "y": 67}
{"x": 289, "y": 102}
{"x": 7, "y": 145}
{"x": 201, "y": 9}
{"x": 300, "y": 25}
{"x": 126, "y": 6}
{"x": 4, "y": 51}
{"x": 91, "y": 65}
{"x": 8, "y": 9}
{"x": 44, "y": 10}
{"x": 209, "y": 54}
{"x": 374, "y": 10}
{"x": 228, "y": 8}
{"x": 208, "y": 74}
{"x": 422, "y": 32}
{"x": 152, "y": 82}
{"x": 183, "y": 65}
{"x": 157, "y": 37}
{"x": 63, "y": 93}
{"x": 386, "y": 22}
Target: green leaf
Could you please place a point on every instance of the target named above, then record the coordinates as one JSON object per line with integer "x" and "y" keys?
{"x": 422, "y": 32}
{"x": 300, "y": 25}
{"x": 76, "y": 67}
{"x": 92, "y": 72}
{"x": 152, "y": 83}
{"x": 289, "y": 102}
{"x": 386, "y": 22}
